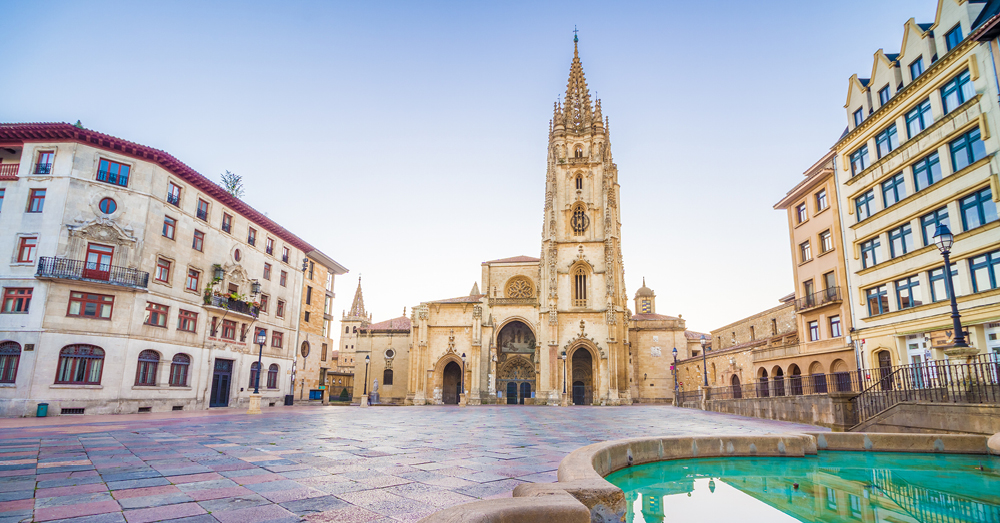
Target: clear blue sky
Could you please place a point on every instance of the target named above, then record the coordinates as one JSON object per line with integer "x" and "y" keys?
{"x": 407, "y": 140}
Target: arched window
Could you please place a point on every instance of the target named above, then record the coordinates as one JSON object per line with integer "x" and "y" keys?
{"x": 347, "y": 330}
{"x": 578, "y": 153}
{"x": 80, "y": 365}
{"x": 179, "y": 370}
{"x": 387, "y": 377}
{"x": 145, "y": 372}
{"x": 579, "y": 182}
{"x": 580, "y": 221}
{"x": 10, "y": 355}
{"x": 254, "y": 372}
{"x": 272, "y": 376}
{"x": 580, "y": 287}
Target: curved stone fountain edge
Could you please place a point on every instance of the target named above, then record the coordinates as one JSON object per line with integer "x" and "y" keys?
{"x": 583, "y": 495}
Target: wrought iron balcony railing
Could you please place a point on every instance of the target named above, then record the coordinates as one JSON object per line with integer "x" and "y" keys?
{"x": 202, "y": 214}
{"x": 43, "y": 168}
{"x": 174, "y": 199}
{"x": 818, "y": 299}
{"x": 62, "y": 268}
{"x": 237, "y": 306}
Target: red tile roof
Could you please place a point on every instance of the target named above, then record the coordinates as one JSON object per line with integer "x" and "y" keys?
{"x": 475, "y": 298}
{"x": 515, "y": 259}
{"x": 692, "y": 335}
{"x": 18, "y": 133}
{"x": 641, "y": 317}
{"x": 399, "y": 324}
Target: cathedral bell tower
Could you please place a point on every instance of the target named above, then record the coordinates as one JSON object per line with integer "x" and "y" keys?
{"x": 582, "y": 289}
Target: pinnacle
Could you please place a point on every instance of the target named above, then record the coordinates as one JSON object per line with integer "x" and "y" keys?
{"x": 358, "y": 306}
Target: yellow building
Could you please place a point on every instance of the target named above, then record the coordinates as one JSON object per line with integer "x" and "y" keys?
{"x": 317, "y": 352}
{"x": 919, "y": 152}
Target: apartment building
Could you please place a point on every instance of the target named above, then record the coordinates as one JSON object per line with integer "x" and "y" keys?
{"x": 919, "y": 152}
{"x": 134, "y": 283}
{"x": 822, "y": 315}
{"x": 317, "y": 350}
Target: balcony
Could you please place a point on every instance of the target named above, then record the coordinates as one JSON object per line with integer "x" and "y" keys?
{"x": 79, "y": 270}
{"x": 43, "y": 168}
{"x": 174, "y": 199}
{"x": 8, "y": 171}
{"x": 227, "y": 227}
{"x": 237, "y": 306}
{"x": 819, "y": 299}
{"x": 202, "y": 214}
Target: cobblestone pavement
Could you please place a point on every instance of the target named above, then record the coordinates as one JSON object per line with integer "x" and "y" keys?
{"x": 318, "y": 464}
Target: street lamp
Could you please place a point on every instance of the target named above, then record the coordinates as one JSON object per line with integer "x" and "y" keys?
{"x": 261, "y": 340}
{"x": 704, "y": 359}
{"x": 254, "y": 288}
{"x": 367, "y": 360}
{"x": 564, "y": 372}
{"x": 461, "y": 380}
{"x": 944, "y": 240}
{"x": 674, "y": 369}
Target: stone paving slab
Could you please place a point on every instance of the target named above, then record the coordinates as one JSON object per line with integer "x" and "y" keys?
{"x": 315, "y": 464}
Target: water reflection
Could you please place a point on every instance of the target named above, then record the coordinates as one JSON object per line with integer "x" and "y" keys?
{"x": 832, "y": 487}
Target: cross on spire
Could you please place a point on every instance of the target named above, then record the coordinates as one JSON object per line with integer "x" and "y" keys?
{"x": 575, "y": 37}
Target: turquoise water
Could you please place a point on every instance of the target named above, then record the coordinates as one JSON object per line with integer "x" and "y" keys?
{"x": 831, "y": 487}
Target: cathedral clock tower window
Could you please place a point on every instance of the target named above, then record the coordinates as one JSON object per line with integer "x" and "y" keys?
{"x": 580, "y": 220}
{"x": 579, "y": 182}
{"x": 580, "y": 287}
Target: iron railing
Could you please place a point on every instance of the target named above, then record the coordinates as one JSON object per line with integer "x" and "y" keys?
{"x": 202, "y": 214}
{"x": 174, "y": 199}
{"x": 688, "y": 395}
{"x": 49, "y": 267}
{"x": 227, "y": 227}
{"x": 977, "y": 381}
{"x": 818, "y": 299}
{"x": 793, "y": 385}
{"x": 237, "y": 306}
{"x": 113, "y": 178}
{"x": 43, "y": 168}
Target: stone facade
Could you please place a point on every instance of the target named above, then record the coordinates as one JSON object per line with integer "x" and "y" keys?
{"x": 549, "y": 330}
{"x": 896, "y": 191}
{"x": 141, "y": 275}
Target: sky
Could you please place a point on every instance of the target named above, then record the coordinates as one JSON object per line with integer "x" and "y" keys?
{"x": 407, "y": 140}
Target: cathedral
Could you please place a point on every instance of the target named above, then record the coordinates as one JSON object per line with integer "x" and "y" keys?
{"x": 553, "y": 330}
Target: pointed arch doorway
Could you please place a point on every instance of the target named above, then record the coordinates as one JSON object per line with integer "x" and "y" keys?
{"x": 516, "y": 378}
{"x": 583, "y": 377}
{"x": 452, "y": 384}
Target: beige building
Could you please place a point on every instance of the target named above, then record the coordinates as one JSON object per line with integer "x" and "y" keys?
{"x": 548, "y": 330}
{"x": 919, "y": 152}
{"x": 823, "y": 318}
{"x": 135, "y": 283}
{"x": 317, "y": 351}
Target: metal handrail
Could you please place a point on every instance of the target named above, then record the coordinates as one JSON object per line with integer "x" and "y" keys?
{"x": 818, "y": 298}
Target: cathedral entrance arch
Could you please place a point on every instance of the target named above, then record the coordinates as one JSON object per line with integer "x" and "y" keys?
{"x": 452, "y": 383}
{"x": 517, "y": 377}
{"x": 582, "y": 372}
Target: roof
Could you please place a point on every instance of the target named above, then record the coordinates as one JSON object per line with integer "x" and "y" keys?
{"x": 644, "y": 291}
{"x": 694, "y": 335}
{"x": 59, "y": 131}
{"x": 474, "y": 298}
{"x": 892, "y": 57}
{"x": 649, "y": 317}
{"x": 515, "y": 259}
{"x": 399, "y": 324}
{"x": 985, "y": 25}
{"x": 925, "y": 27}
{"x": 326, "y": 261}
{"x": 865, "y": 81}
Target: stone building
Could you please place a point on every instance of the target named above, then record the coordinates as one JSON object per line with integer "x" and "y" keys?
{"x": 819, "y": 272}
{"x": 134, "y": 282}
{"x": 919, "y": 152}
{"x": 549, "y": 330}
{"x": 317, "y": 351}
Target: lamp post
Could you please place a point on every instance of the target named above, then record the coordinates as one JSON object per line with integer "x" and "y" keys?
{"x": 674, "y": 371}
{"x": 255, "y": 397}
{"x": 364, "y": 396}
{"x": 944, "y": 240}
{"x": 461, "y": 385}
{"x": 704, "y": 359}
{"x": 565, "y": 398}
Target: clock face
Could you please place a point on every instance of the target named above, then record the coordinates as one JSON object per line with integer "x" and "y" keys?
{"x": 580, "y": 222}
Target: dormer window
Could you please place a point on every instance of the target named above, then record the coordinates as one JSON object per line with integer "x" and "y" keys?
{"x": 953, "y": 37}
{"x": 916, "y": 68}
{"x": 883, "y": 96}
{"x": 858, "y": 117}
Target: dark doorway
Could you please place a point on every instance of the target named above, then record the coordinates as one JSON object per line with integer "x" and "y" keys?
{"x": 452, "y": 384}
{"x": 583, "y": 373}
{"x": 779, "y": 382}
{"x": 737, "y": 391}
{"x": 885, "y": 369}
{"x": 762, "y": 391}
{"x": 795, "y": 380}
{"x": 525, "y": 392}
{"x": 221, "y": 377}
{"x": 511, "y": 393}
{"x": 579, "y": 391}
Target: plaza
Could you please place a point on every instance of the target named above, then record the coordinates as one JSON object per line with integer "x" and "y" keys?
{"x": 309, "y": 463}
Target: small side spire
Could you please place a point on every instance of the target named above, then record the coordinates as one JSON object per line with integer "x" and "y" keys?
{"x": 358, "y": 305}
{"x": 475, "y": 289}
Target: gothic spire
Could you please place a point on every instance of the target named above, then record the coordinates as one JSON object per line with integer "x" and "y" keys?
{"x": 358, "y": 306}
{"x": 577, "y": 107}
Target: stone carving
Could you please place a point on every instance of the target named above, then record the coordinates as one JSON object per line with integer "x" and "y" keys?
{"x": 477, "y": 311}
{"x": 516, "y": 368}
{"x": 519, "y": 287}
{"x": 516, "y": 337}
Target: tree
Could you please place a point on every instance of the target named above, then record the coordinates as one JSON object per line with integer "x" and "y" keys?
{"x": 344, "y": 395}
{"x": 233, "y": 184}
